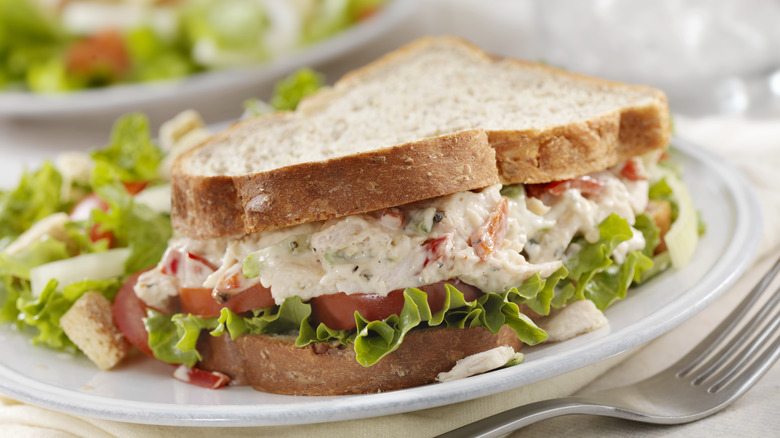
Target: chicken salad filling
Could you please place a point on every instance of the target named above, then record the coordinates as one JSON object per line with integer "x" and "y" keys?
{"x": 494, "y": 238}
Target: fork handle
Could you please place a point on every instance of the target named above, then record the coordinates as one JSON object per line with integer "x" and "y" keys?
{"x": 504, "y": 422}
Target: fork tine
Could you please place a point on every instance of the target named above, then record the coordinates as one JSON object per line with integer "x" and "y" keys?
{"x": 739, "y": 341}
{"x": 747, "y": 354}
{"x": 693, "y": 359}
{"x": 758, "y": 368}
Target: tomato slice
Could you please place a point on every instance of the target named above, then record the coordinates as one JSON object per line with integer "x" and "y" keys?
{"x": 202, "y": 378}
{"x": 96, "y": 233}
{"x": 200, "y": 302}
{"x": 366, "y": 12}
{"x": 129, "y": 312}
{"x": 435, "y": 249}
{"x": 100, "y": 57}
{"x": 337, "y": 311}
{"x": 587, "y": 185}
{"x": 490, "y": 235}
{"x": 135, "y": 187}
{"x": 632, "y": 170}
{"x": 82, "y": 209}
{"x": 392, "y": 218}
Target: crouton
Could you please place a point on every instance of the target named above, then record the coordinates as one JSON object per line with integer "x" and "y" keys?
{"x": 89, "y": 323}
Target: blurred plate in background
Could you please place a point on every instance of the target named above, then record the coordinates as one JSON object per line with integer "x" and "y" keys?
{"x": 202, "y": 88}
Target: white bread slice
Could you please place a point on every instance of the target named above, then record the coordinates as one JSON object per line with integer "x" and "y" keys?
{"x": 545, "y": 124}
{"x": 90, "y": 325}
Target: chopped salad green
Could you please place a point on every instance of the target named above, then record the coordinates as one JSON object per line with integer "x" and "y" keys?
{"x": 116, "y": 224}
{"x": 123, "y": 224}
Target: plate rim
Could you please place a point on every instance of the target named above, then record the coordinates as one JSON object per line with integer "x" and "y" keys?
{"x": 740, "y": 251}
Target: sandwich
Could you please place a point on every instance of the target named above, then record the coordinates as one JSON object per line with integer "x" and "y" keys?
{"x": 436, "y": 204}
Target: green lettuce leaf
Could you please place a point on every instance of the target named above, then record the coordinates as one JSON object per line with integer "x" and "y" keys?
{"x": 661, "y": 191}
{"x": 51, "y": 76}
{"x": 289, "y": 92}
{"x": 15, "y": 273}
{"x": 233, "y": 28}
{"x": 594, "y": 257}
{"x": 25, "y": 21}
{"x": 592, "y": 274}
{"x": 661, "y": 262}
{"x": 650, "y": 232}
{"x": 287, "y": 317}
{"x": 154, "y": 57}
{"x": 36, "y": 196}
{"x": 322, "y": 333}
{"x": 43, "y": 313}
{"x": 173, "y": 338}
{"x": 516, "y": 359}
{"x": 331, "y": 17}
{"x": 538, "y": 293}
{"x": 10, "y": 290}
{"x": 612, "y": 283}
{"x": 358, "y": 10}
{"x": 28, "y": 39}
{"x": 38, "y": 253}
{"x": 131, "y": 155}
{"x": 376, "y": 339}
{"x": 133, "y": 225}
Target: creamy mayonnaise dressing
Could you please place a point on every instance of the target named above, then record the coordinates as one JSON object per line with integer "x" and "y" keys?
{"x": 420, "y": 244}
{"x": 575, "y": 214}
{"x": 361, "y": 254}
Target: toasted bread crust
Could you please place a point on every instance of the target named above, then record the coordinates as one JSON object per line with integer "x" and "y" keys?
{"x": 275, "y": 364}
{"x": 564, "y": 152}
{"x": 205, "y": 207}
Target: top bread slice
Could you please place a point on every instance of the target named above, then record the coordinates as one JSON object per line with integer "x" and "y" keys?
{"x": 346, "y": 149}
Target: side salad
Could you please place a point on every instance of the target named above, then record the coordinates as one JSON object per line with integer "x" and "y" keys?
{"x": 61, "y": 46}
{"x": 86, "y": 222}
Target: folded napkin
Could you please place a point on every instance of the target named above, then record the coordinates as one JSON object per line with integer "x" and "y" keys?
{"x": 753, "y": 146}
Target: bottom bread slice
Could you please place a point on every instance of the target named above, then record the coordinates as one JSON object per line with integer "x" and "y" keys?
{"x": 274, "y": 364}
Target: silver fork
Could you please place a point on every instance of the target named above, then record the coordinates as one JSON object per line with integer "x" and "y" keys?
{"x": 713, "y": 375}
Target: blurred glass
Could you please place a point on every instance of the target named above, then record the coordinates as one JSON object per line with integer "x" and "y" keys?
{"x": 716, "y": 56}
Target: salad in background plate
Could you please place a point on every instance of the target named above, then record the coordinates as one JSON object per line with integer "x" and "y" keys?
{"x": 56, "y": 46}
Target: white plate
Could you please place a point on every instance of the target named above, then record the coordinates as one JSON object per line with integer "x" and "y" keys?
{"x": 146, "y": 95}
{"x": 144, "y": 392}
